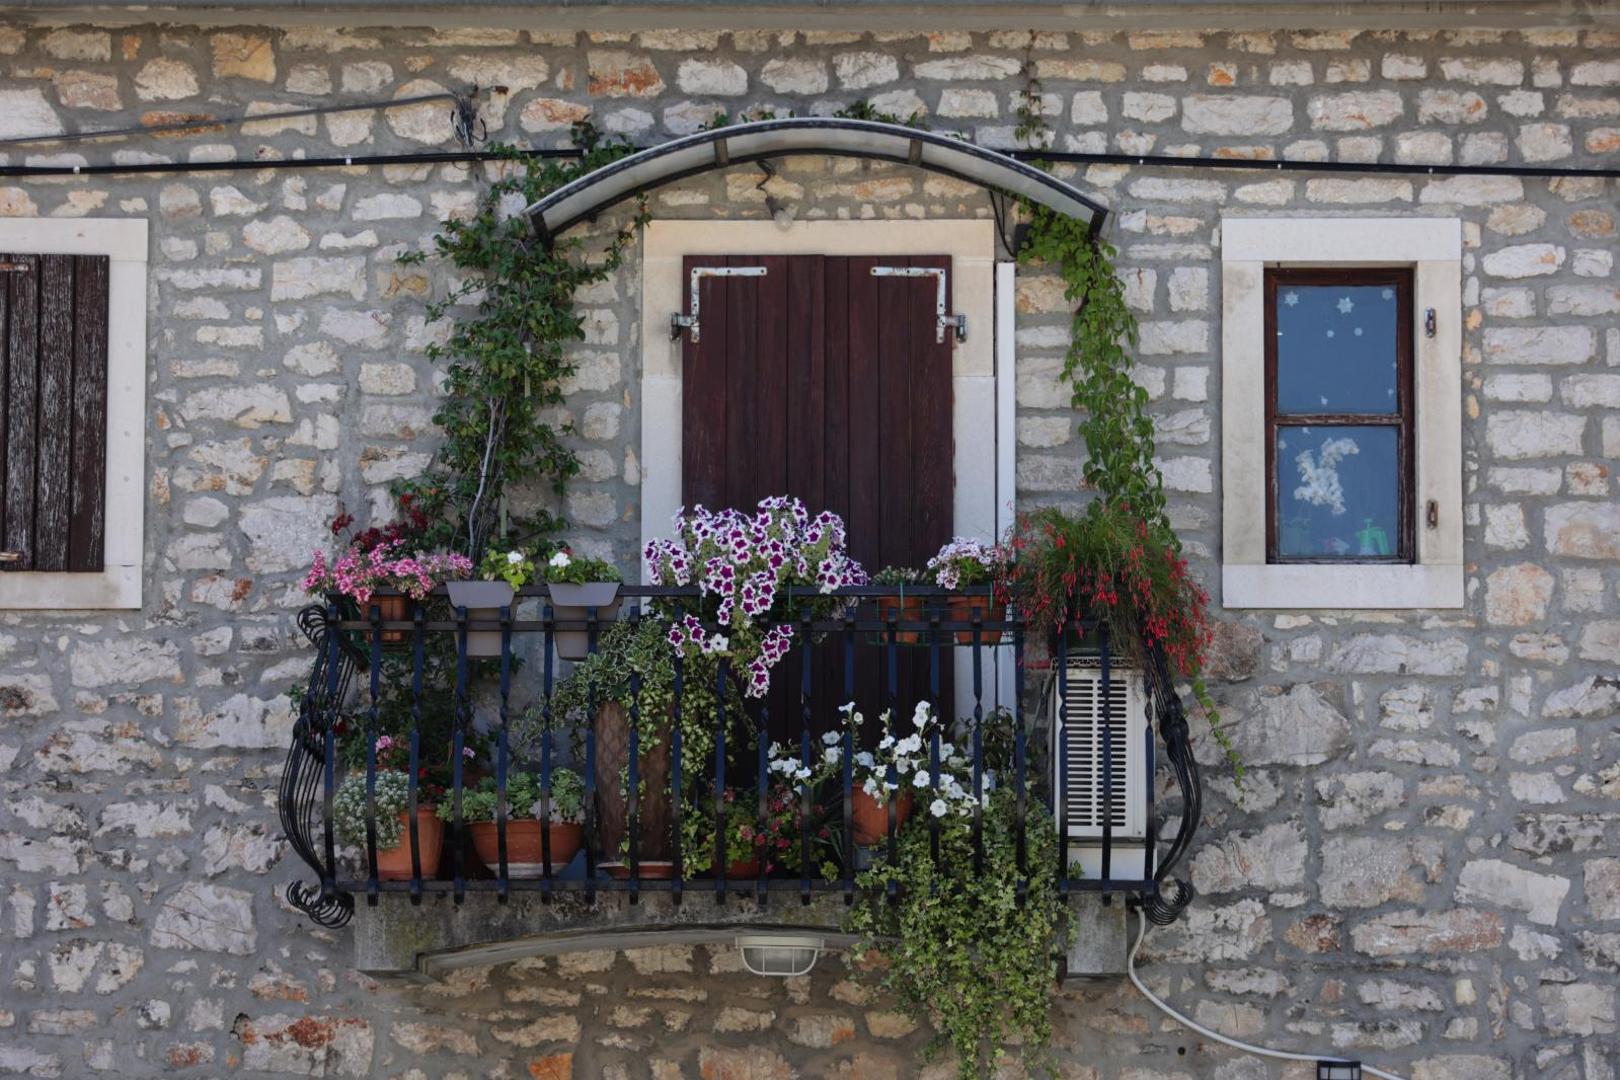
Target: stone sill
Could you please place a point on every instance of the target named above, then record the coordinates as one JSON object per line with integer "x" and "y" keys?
{"x": 432, "y": 940}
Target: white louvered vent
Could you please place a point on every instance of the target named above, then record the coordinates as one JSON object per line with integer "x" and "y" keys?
{"x": 1082, "y": 717}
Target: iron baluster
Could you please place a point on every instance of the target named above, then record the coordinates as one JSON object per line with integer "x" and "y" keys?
{"x": 373, "y": 683}
{"x": 501, "y": 748}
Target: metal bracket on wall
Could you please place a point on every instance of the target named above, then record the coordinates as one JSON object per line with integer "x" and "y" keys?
{"x": 689, "y": 321}
{"x": 941, "y": 319}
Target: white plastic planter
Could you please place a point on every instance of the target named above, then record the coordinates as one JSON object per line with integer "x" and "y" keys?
{"x": 483, "y": 600}
{"x": 573, "y": 603}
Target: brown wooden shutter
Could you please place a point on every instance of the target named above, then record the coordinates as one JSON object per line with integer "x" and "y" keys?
{"x": 823, "y": 381}
{"x": 53, "y": 411}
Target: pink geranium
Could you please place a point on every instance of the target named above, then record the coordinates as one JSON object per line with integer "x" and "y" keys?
{"x": 358, "y": 573}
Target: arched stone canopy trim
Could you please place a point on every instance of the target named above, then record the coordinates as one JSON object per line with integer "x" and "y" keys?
{"x": 705, "y": 151}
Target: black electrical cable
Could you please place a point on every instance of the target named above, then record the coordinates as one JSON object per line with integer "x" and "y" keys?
{"x": 437, "y": 157}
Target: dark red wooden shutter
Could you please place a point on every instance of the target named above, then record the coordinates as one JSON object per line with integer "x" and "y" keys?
{"x": 823, "y": 381}
{"x": 53, "y": 380}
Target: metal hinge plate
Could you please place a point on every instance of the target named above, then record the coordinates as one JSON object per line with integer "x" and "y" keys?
{"x": 690, "y": 321}
{"x": 942, "y": 320}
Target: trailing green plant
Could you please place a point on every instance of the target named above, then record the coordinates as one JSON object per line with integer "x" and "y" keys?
{"x": 1125, "y": 531}
{"x": 633, "y": 662}
{"x": 959, "y": 949}
{"x": 508, "y": 356}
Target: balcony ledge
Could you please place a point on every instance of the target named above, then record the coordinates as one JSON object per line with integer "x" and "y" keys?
{"x": 429, "y": 942}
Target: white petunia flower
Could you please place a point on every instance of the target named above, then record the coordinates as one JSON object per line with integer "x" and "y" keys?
{"x": 938, "y": 808}
{"x": 831, "y": 738}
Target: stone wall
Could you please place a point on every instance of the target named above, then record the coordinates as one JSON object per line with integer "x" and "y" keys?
{"x": 1418, "y": 869}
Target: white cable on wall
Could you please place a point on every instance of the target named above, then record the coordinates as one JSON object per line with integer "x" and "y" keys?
{"x": 1286, "y": 1055}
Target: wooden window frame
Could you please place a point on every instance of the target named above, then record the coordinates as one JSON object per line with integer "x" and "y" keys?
{"x": 118, "y": 586}
{"x": 1402, "y": 420}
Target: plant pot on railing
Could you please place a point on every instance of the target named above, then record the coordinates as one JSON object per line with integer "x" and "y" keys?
{"x": 904, "y": 608}
{"x": 394, "y": 863}
{"x": 870, "y": 816}
{"x": 613, "y": 805}
{"x": 964, "y": 609}
{"x": 483, "y": 601}
{"x": 524, "y": 850}
{"x": 572, "y": 603}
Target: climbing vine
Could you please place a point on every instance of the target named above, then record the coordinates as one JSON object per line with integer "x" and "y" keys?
{"x": 1118, "y": 432}
{"x": 507, "y": 357}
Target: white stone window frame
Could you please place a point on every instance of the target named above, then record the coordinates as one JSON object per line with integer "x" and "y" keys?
{"x": 118, "y": 585}
{"x": 1432, "y": 248}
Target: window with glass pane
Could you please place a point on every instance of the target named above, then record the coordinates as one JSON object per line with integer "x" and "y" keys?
{"x": 1339, "y": 415}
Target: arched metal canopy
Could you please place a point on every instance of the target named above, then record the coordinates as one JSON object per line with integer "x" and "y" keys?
{"x": 596, "y": 191}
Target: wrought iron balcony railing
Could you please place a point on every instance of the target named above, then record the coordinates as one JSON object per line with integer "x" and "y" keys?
{"x": 1069, "y": 748}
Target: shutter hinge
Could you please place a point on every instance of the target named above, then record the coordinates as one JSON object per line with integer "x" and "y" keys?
{"x": 942, "y": 320}
{"x": 10, "y": 556}
{"x": 16, "y": 268}
{"x": 690, "y": 321}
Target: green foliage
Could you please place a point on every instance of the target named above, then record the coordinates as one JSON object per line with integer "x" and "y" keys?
{"x": 1114, "y": 418}
{"x": 1113, "y": 409}
{"x": 392, "y": 794}
{"x": 522, "y": 798}
{"x": 515, "y": 567}
{"x": 568, "y": 569}
{"x": 506, "y": 359}
{"x": 864, "y": 110}
{"x": 632, "y": 650}
{"x": 960, "y": 951}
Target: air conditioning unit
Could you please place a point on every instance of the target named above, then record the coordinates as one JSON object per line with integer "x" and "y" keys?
{"x": 1083, "y": 712}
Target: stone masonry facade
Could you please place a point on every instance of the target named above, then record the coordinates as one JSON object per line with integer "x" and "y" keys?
{"x": 1421, "y": 867}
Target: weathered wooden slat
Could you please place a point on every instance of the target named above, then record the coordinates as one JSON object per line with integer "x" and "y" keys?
{"x": 741, "y": 301}
{"x": 22, "y": 405}
{"x": 932, "y": 438}
{"x": 5, "y": 395}
{"x": 703, "y": 395}
{"x": 771, "y": 404}
{"x": 87, "y": 525}
{"x": 53, "y": 462}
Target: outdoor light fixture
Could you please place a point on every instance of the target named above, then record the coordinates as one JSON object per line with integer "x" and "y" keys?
{"x": 1338, "y": 1070}
{"x": 781, "y": 955}
{"x": 737, "y": 144}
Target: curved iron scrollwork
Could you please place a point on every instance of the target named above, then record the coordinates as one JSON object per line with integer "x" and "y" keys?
{"x": 1173, "y": 894}
{"x": 303, "y": 816}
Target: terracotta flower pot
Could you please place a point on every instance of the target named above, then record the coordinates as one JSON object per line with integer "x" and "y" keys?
{"x": 392, "y": 608}
{"x": 573, "y": 603}
{"x": 742, "y": 869}
{"x": 905, "y": 608}
{"x": 483, "y": 600}
{"x": 871, "y": 816}
{"x": 524, "y": 854}
{"x": 612, "y": 807}
{"x": 962, "y": 609}
{"x": 394, "y": 864}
